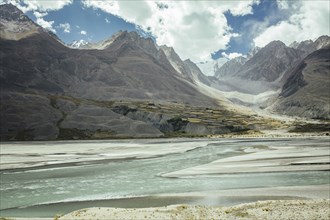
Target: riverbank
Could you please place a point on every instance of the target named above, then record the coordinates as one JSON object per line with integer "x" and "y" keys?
{"x": 219, "y": 199}
{"x": 280, "y": 133}
{"x": 271, "y": 209}
{"x": 280, "y": 209}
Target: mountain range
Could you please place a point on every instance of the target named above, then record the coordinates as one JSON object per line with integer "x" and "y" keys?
{"x": 277, "y": 72}
{"x": 127, "y": 86}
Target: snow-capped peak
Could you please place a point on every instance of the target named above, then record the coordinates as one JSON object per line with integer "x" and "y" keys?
{"x": 78, "y": 43}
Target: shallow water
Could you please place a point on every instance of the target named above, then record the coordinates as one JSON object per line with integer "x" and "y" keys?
{"x": 126, "y": 178}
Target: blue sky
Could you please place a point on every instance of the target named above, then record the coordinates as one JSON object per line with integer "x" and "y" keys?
{"x": 266, "y": 13}
{"x": 199, "y": 30}
{"x": 97, "y": 24}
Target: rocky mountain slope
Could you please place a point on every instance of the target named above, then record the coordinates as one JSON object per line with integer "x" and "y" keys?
{"x": 280, "y": 74}
{"x": 230, "y": 68}
{"x": 260, "y": 72}
{"x": 127, "y": 86}
{"x": 269, "y": 63}
{"x": 309, "y": 46}
{"x": 306, "y": 91}
{"x": 14, "y": 24}
{"x": 131, "y": 68}
{"x": 124, "y": 86}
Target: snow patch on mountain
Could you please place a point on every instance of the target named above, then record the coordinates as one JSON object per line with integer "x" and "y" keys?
{"x": 77, "y": 44}
{"x": 209, "y": 67}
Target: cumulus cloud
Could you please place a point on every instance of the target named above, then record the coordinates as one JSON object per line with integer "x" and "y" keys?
{"x": 66, "y": 27}
{"x": 39, "y": 5}
{"x": 309, "y": 20}
{"x": 42, "y": 22}
{"x": 240, "y": 8}
{"x": 283, "y": 4}
{"x": 83, "y": 32}
{"x": 231, "y": 56}
{"x": 194, "y": 28}
{"x": 39, "y": 14}
{"x": 46, "y": 24}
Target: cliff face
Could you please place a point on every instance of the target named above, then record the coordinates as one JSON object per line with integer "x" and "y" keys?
{"x": 306, "y": 91}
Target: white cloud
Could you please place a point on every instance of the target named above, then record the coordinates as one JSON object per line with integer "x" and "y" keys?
{"x": 46, "y": 24}
{"x": 231, "y": 56}
{"x": 208, "y": 67}
{"x": 83, "y": 32}
{"x": 39, "y": 14}
{"x": 194, "y": 28}
{"x": 40, "y": 5}
{"x": 42, "y": 22}
{"x": 240, "y": 8}
{"x": 283, "y": 4}
{"x": 310, "y": 19}
{"x": 66, "y": 27}
{"x": 107, "y": 20}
